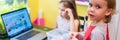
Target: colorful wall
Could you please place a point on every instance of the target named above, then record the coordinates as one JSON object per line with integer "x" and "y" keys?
{"x": 50, "y": 10}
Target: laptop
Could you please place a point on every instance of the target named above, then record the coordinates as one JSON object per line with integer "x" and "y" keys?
{"x": 18, "y": 26}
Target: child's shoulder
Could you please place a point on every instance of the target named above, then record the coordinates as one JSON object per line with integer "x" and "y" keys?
{"x": 59, "y": 17}
{"x": 76, "y": 21}
{"x": 100, "y": 28}
{"x": 86, "y": 25}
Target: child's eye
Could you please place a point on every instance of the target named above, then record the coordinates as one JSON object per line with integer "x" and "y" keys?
{"x": 98, "y": 6}
{"x": 62, "y": 9}
{"x": 90, "y": 4}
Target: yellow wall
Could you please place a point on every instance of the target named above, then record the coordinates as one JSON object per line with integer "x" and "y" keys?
{"x": 50, "y": 10}
{"x": 82, "y": 10}
{"x": 33, "y": 8}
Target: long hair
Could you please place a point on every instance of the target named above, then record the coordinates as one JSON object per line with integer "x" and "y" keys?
{"x": 70, "y": 4}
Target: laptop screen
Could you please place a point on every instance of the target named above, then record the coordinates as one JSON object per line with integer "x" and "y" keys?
{"x": 17, "y": 22}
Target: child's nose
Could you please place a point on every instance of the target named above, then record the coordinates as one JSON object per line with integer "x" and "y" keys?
{"x": 91, "y": 9}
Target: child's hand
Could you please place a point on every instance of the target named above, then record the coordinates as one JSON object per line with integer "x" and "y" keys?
{"x": 70, "y": 14}
{"x": 74, "y": 36}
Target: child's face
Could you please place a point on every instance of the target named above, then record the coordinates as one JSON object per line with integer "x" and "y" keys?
{"x": 97, "y": 10}
{"x": 62, "y": 11}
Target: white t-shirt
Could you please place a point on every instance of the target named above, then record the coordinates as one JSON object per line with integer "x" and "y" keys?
{"x": 62, "y": 30}
{"x": 63, "y": 24}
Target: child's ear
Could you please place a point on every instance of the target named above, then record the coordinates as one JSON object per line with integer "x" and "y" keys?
{"x": 109, "y": 11}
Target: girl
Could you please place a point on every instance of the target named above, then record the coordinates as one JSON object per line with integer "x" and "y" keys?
{"x": 67, "y": 21}
{"x": 99, "y": 12}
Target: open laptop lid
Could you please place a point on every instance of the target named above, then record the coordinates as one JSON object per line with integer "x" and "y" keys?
{"x": 16, "y": 22}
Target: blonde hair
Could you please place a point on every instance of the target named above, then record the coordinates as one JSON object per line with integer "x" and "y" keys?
{"x": 111, "y": 4}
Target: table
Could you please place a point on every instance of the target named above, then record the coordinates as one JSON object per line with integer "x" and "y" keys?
{"x": 46, "y": 29}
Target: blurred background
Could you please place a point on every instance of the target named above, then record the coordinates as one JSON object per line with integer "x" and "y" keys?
{"x": 48, "y": 11}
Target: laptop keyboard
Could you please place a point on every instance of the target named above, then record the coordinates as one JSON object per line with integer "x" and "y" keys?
{"x": 28, "y": 35}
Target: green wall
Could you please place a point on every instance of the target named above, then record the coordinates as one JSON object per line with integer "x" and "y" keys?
{"x": 8, "y": 6}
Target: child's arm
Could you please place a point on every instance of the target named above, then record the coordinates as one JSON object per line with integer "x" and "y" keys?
{"x": 77, "y": 24}
{"x": 56, "y": 26}
{"x": 57, "y": 19}
{"x": 74, "y": 23}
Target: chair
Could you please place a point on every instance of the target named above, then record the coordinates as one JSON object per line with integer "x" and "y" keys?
{"x": 82, "y": 22}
